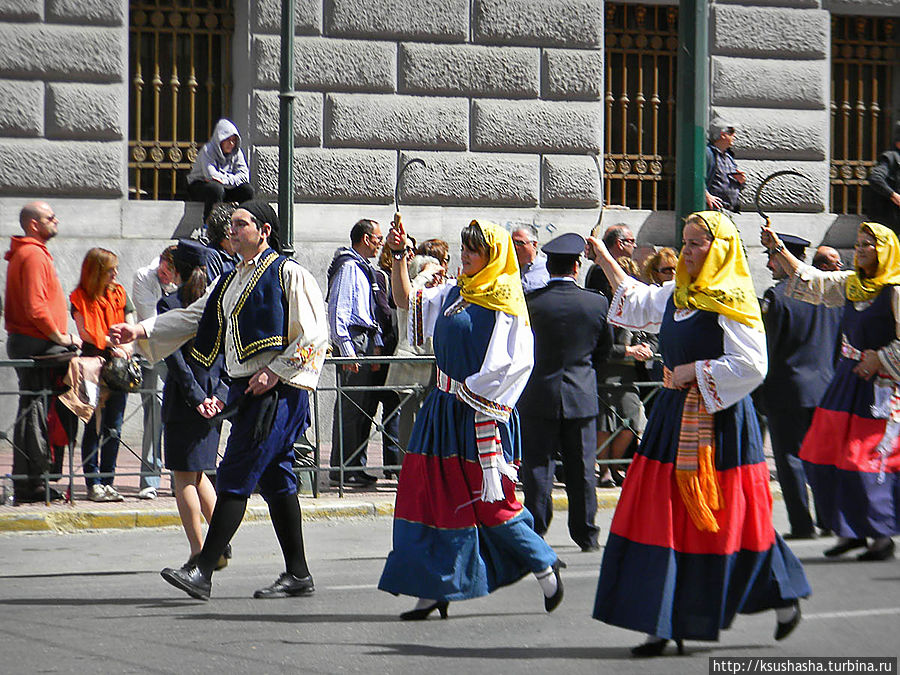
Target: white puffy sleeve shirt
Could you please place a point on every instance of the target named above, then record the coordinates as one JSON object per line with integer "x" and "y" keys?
{"x": 299, "y": 365}
{"x": 494, "y": 390}
{"x": 722, "y": 381}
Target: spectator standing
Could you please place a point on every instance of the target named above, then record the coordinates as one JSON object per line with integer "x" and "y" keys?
{"x": 274, "y": 347}
{"x": 532, "y": 262}
{"x": 355, "y": 331}
{"x": 883, "y": 192}
{"x": 427, "y": 268}
{"x": 98, "y": 302}
{"x": 218, "y": 225}
{"x": 149, "y": 285}
{"x": 220, "y": 171}
{"x": 389, "y": 400}
{"x": 558, "y": 408}
{"x": 724, "y": 181}
{"x": 619, "y": 241}
{"x": 803, "y": 346}
{"x": 36, "y": 325}
{"x": 191, "y": 393}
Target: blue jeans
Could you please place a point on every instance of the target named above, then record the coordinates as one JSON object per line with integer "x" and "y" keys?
{"x": 110, "y": 429}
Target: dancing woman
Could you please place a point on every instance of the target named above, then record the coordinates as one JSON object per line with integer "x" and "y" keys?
{"x": 692, "y": 542}
{"x": 850, "y": 451}
{"x": 459, "y": 531}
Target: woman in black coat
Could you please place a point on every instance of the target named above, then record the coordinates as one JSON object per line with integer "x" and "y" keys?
{"x": 191, "y": 395}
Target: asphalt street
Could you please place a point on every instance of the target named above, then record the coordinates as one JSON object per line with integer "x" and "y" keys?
{"x": 94, "y": 602}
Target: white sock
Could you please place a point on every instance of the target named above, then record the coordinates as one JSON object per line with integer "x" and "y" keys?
{"x": 547, "y": 579}
{"x": 651, "y": 639}
{"x": 785, "y": 614}
{"x": 425, "y": 603}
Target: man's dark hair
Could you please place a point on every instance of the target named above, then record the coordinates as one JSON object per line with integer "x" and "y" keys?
{"x": 473, "y": 239}
{"x": 436, "y": 248}
{"x": 614, "y": 233}
{"x": 361, "y": 229}
{"x": 559, "y": 265}
{"x": 218, "y": 222}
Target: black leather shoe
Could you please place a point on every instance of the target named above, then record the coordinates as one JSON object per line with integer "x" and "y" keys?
{"x": 843, "y": 546}
{"x": 792, "y": 536}
{"x": 553, "y": 601}
{"x": 287, "y": 585}
{"x": 873, "y": 554}
{"x": 782, "y": 630}
{"x": 590, "y": 548}
{"x": 190, "y": 580}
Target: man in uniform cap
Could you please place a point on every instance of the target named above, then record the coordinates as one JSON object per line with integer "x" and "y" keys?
{"x": 274, "y": 341}
{"x": 803, "y": 346}
{"x": 558, "y": 409}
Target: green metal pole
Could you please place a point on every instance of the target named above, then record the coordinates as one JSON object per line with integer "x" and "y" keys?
{"x": 691, "y": 107}
{"x": 286, "y": 130}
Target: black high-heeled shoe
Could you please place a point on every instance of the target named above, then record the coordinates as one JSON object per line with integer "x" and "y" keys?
{"x": 422, "y": 614}
{"x": 656, "y": 648}
{"x": 783, "y": 629}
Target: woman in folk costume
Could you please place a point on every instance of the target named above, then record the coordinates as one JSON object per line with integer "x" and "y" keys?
{"x": 850, "y": 451}
{"x": 459, "y": 531}
{"x": 692, "y": 542}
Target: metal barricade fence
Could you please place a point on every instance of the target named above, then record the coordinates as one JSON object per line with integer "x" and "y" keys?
{"x": 308, "y": 452}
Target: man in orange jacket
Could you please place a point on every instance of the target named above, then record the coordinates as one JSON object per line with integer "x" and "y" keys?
{"x": 37, "y": 324}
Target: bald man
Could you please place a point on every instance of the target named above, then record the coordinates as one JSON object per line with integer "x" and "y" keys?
{"x": 827, "y": 259}
{"x": 37, "y": 325}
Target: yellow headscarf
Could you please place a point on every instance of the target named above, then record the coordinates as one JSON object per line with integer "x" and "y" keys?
{"x": 724, "y": 285}
{"x": 497, "y": 286}
{"x": 888, "y": 274}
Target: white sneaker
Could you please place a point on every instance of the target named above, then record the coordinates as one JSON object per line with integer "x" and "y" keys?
{"x": 112, "y": 495}
{"x": 97, "y": 493}
{"x": 147, "y": 493}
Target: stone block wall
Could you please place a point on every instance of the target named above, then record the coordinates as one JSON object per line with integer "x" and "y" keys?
{"x": 501, "y": 98}
{"x": 63, "y": 98}
{"x": 769, "y": 75}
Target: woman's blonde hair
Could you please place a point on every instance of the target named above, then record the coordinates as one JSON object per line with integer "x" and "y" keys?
{"x": 96, "y": 265}
{"x": 655, "y": 261}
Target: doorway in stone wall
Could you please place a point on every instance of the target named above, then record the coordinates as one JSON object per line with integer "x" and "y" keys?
{"x": 180, "y": 77}
{"x": 865, "y": 66}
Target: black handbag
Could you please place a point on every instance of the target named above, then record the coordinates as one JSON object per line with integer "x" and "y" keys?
{"x": 121, "y": 374}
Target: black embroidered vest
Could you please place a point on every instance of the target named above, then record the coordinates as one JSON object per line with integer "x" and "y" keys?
{"x": 259, "y": 320}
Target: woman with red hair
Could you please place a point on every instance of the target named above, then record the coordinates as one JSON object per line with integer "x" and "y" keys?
{"x": 97, "y": 303}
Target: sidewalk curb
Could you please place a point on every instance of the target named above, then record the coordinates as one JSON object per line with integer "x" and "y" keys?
{"x": 78, "y": 520}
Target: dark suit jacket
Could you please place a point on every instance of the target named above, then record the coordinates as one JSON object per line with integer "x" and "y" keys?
{"x": 570, "y": 336}
{"x": 803, "y": 343}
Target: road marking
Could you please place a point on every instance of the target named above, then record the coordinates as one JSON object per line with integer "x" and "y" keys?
{"x": 851, "y": 613}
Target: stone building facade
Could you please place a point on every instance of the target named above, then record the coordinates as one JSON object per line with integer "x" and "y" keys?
{"x": 503, "y": 99}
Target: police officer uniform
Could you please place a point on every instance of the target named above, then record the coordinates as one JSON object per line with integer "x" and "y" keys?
{"x": 803, "y": 343}
{"x": 558, "y": 408}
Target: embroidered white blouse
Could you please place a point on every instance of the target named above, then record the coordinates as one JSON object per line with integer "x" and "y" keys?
{"x": 722, "y": 381}
{"x": 298, "y": 365}
{"x": 819, "y": 287}
{"x": 496, "y": 387}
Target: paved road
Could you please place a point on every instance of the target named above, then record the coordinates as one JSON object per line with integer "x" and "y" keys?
{"x": 94, "y": 603}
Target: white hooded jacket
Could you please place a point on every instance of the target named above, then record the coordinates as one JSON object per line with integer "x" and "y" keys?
{"x": 212, "y": 165}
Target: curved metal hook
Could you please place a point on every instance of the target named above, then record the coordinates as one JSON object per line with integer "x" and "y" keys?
{"x": 400, "y": 173}
{"x": 767, "y": 179}
{"x": 596, "y": 157}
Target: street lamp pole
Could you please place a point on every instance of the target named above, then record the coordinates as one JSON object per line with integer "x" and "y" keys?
{"x": 286, "y": 129}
